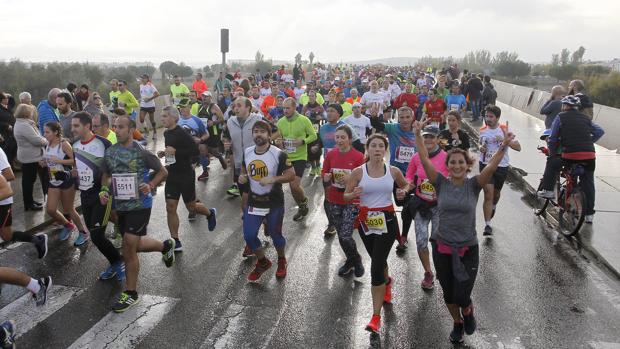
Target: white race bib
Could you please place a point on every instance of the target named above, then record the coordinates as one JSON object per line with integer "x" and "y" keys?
{"x": 257, "y": 211}
{"x": 288, "y": 146}
{"x": 376, "y": 223}
{"x": 86, "y": 178}
{"x": 454, "y": 107}
{"x": 125, "y": 186}
{"x": 404, "y": 154}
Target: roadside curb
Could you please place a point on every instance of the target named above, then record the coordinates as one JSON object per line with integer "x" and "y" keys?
{"x": 516, "y": 174}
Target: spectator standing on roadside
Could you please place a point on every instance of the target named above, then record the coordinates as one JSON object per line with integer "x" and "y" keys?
{"x": 7, "y": 120}
{"x": 30, "y": 148}
{"x": 489, "y": 95}
{"x": 474, "y": 89}
{"x": 553, "y": 106}
{"x": 577, "y": 89}
{"x": 47, "y": 109}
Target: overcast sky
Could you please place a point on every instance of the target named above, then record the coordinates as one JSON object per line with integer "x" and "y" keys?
{"x": 335, "y": 30}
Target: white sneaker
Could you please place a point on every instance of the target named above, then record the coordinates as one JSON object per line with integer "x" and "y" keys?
{"x": 546, "y": 194}
{"x": 589, "y": 218}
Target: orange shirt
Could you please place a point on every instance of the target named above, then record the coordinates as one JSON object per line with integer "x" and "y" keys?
{"x": 200, "y": 86}
{"x": 351, "y": 101}
{"x": 268, "y": 102}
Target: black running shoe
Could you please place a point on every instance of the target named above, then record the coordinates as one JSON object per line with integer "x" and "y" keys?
{"x": 41, "y": 297}
{"x": 168, "y": 252}
{"x": 456, "y": 336}
{"x": 469, "y": 321}
{"x": 346, "y": 268}
{"x": 40, "y": 242}
{"x": 125, "y": 301}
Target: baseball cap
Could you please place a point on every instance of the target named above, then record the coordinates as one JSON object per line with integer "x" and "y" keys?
{"x": 207, "y": 94}
{"x": 430, "y": 130}
{"x": 184, "y": 102}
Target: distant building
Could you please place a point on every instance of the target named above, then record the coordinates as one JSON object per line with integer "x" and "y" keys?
{"x": 614, "y": 64}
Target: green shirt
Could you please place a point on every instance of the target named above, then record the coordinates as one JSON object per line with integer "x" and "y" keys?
{"x": 442, "y": 93}
{"x": 112, "y": 137}
{"x": 176, "y": 92}
{"x": 304, "y": 99}
{"x": 347, "y": 109}
{"x": 129, "y": 100}
{"x": 114, "y": 94}
{"x": 194, "y": 110}
{"x": 297, "y": 127}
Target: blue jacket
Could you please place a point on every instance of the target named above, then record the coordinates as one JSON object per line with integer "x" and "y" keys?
{"x": 47, "y": 113}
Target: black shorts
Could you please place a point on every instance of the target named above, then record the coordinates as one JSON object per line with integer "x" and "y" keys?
{"x": 299, "y": 166}
{"x": 499, "y": 177}
{"x": 66, "y": 184}
{"x": 149, "y": 110}
{"x": 134, "y": 222}
{"x": 6, "y": 215}
{"x": 184, "y": 185}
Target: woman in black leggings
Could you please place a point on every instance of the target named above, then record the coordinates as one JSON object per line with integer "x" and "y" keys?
{"x": 455, "y": 244}
{"x": 372, "y": 183}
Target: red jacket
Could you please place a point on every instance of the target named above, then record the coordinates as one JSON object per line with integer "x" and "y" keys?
{"x": 200, "y": 86}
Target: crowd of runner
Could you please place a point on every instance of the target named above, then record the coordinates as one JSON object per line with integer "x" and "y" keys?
{"x": 379, "y": 138}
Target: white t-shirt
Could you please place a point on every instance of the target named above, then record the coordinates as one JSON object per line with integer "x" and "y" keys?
{"x": 370, "y": 97}
{"x": 359, "y": 125}
{"x": 147, "y": 91}
{"x": 4, "y": 163}
{"x": 493, "y": 138}
{"x": 265, "y": 91}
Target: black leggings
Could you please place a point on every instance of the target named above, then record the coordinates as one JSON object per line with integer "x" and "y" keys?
{"x": 30, "y": 171}
{"x": 405, "y": 214}
{"x": 456, "y": 292}
{"x": 379, "y": 247}
{"x": 96, "y": 219}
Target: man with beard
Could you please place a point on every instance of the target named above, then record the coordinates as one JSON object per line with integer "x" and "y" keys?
{"x": 265, "y": 169}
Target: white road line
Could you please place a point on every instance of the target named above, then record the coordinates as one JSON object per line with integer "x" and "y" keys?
{"x": 126, "y": 330}
{"x": 27, "y": 315}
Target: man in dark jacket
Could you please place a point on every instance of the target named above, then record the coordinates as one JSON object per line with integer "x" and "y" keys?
{"x": 489, "y": 95}
{"x": 7, "y": 120}
{"x": 573, "y": 134}
{"x": 474, "y": 89}
{"x": 553, "y": 106}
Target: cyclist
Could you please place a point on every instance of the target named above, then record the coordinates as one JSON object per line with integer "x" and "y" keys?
{"x": 573, "y": 132}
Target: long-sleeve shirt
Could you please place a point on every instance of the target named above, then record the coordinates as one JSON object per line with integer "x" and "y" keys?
{"x": 551, "y": 109}
{"x": 47, "y": 113}
{"x": 185, "y": 150}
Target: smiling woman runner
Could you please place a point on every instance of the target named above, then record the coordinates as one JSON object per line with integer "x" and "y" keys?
{"x": 455, "y": 245}
{"x": 372, "y": 183}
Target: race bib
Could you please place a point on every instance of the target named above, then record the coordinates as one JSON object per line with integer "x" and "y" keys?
{"x": 404, "y": 154}
{"x": 288, "y": 146}
{"x": 338, "y": 174}
{"x": 454, "y": 107}
{"x": 125, "y": 186}
{"x": 427, "y": 190}
{"x": 257, "y": 211}
{"x": 316, "y": 127}
{"x": 375, "y": 223}
{"x": 170, "y": 159}
{"x": 86, "y": 178}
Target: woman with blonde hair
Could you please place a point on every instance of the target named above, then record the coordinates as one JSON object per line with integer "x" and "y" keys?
{"x": 94, "y": 104}
{"x": 30, "y": 145}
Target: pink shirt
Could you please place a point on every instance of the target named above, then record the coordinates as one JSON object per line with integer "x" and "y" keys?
{"x": 424, "y": 189}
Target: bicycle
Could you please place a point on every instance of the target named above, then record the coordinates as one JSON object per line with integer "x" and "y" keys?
{"x": 570, "y": 198}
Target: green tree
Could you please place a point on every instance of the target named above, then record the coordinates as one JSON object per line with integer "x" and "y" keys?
{"x": 593, "y": 69}
{"x": 183, "y": 70}
{"x": 604, "y": 89}
{"x": 166, "y": 68}
{"x": 577, "y": 56}
{"x": 94, "y": 74}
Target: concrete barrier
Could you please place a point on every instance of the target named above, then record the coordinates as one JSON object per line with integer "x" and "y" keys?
{"x": 530, "y": 100}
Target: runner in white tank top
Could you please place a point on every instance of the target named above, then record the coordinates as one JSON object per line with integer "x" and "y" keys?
{"x": 59, "y": 160}
{"x": 373, "y": 184}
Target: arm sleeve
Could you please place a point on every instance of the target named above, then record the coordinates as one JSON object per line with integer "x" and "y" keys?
{"x": 411, "y": 170}
{"x": 376, "y": 123}
{"x": 465, "y": 140}
{"x": 283, "y": 163}
{"x": 310, "y": 132}
{"x": 326, "y": 164}
{"x": 132, "y": 103}
{"x": 150, "y": 159}
{"x": 547, "y": 107}
{"x": 597, "y": 132}
{"x": 554, "y": 138}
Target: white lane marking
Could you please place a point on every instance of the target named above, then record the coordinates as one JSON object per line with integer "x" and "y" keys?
{"x": 27, "y": 315}
{"x": 127, "y": 329}
{"x": 604, "y": 345}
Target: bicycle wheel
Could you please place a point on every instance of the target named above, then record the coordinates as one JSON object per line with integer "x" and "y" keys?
{"x": 572, "y": 212}
{"x": 540, "y": 204}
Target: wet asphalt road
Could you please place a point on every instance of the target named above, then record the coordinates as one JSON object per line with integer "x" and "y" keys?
{"x": 532, "y": 291}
